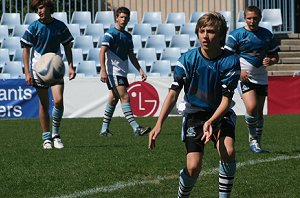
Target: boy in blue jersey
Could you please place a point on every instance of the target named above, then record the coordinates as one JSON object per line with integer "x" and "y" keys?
{"x": 117, "y": 47}
{"x": 257, "y": 49}
{"x": 43, "y": 36}
{"x": 208, "y": 76}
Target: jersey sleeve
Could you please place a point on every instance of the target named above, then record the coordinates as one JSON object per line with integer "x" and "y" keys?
{"x": 230, "y": 75}
{"x": 179, "y": 75}
{"x": 28, "y": 39}
{"x": 66, "y": 35}
{"x": 231, "y": 43}
{"x": 107, "y": 39}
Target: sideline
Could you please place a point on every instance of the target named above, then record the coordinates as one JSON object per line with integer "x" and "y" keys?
{"x": 121, "y": 185}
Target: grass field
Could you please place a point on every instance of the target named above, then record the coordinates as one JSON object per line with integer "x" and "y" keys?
{"x": 121, "y": 166}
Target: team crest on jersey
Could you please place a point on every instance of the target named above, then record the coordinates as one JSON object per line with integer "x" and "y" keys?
{"x": 190, "y": 132}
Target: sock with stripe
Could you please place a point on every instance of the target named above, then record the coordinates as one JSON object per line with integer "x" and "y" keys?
{"x": 186, "y": 184}
{"x": 56, "y": 119}
{"x": 126, "y": 108}
{"x": 226, "y": 178}
{"x": 108, "y": 113}
{"x": 251, "y": 122}
{"x": 259, "y": 129}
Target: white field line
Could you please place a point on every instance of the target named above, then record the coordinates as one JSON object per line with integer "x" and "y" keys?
{"x": 121, "y": 185}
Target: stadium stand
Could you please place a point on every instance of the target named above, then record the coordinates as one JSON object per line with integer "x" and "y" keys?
{"x": 11, "y": 43}
{"x": 163, "y": 67}
{"x": 94, "y": 55}
{"x": 74, "y": 29}
{"x": 77, "y": 56}
{"x": 156, "y": 41}
{"x": 10, "y": 19}
{"x": 195, "y": 16}
{"x": 19, "y": 30}
{"x": 137, "y": 43}
{"x": 14, "y": 68}
{"x": 133, "y": 20}
{"x": 85, "y": 43}
{"x": 172, "y": 54}
{"x": 133, "y": 70}
{"x": 189, "y": 28}
{"x": 272, "y": 15}
{"x": 177, "y": 18}
{"x": 95, "y": 30}
{"x": 87, "y": 68}
{"x": 181, "y": 41}
{"x": 4, "y": 57}
{"x": 142, "y": 29}
{"x": 148, "y": 55}
{"x": 3, "y": 32}
{"x": 166, "y": 29}
{"x": 83, "y": 18}
{"x": 62, "y": 16}
{"x": 106, "y": 18}
{"x": 152, "y": 18}
{"x": 30, "y": 17}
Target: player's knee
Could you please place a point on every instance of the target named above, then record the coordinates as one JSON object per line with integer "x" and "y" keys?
{"x": 193, "y": 170}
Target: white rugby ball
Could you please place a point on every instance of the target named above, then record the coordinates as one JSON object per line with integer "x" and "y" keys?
{"x": 50, "y": 68}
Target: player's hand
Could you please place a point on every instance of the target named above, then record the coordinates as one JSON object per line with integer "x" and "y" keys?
{"x": 103, "y": 77}
{"x": 207, "y": 132}
{"x": 244, "y": 75}
{"x": 267, "y": 62}
{"x": 152, "y": 137}
{"x": 144, "y": 76}
{"x": 28, "y": 79}
{"x": 72, "y": 73}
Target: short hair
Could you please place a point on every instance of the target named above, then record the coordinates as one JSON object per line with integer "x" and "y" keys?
{"x": 48, "y": 3}
{"x": 253, "y": 9}
{"x": 122, "y": 10}
{"x": 213, "y": 19}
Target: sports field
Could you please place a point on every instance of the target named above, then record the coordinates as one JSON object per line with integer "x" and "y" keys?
{"x": 121, "y": 166}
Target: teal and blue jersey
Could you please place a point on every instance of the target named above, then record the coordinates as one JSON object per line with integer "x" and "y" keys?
{"x": 253, "y": 47}
{"x": 206, "y": 81}
{"x": 119, "y": 45}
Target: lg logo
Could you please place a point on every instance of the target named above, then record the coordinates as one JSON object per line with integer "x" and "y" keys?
{"x": 144, "y": 99}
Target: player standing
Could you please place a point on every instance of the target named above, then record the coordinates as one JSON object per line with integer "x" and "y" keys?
{"x": 43, "y": 36}
{"x": 257, "y": 49}
{"x": 116, "y": 47}
{"x": 208, "y": 76}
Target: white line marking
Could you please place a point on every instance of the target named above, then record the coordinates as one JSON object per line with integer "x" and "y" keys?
{"x": 121, "y": 185}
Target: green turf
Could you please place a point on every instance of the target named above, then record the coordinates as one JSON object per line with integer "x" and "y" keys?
{"x": 121, "y": 166}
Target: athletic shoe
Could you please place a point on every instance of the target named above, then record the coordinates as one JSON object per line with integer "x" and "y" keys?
{"x": 106, "y": 133}
{"x": 255, "y": 148}
{"x": 47, "y": 144}
{"x": 142, "y": 130}
{"x": 57, "y": 143}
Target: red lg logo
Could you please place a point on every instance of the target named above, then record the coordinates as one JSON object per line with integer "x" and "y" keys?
{"x": 144, "y": 99}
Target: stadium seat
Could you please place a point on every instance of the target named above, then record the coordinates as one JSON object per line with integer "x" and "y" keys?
{"x": 30, "y": 17}
{"x": 106, "y": 18}
{"x": 267, "y": 25}
{"x": 95, "y": 30}
{"x": 166, "y": 29}
{"x": 3, "y": 32}
{"x": 189, "y": 28}
{"x": 156, "y": 41}
{"x": 133, "y": 20}
{"x": 19, "y": 30}
{"x": 272, "y": 15}
{"x": 152, "y": 18}
{"x": 137, "y": 43}
{"x": 227, "y": 15}
{"x": 84, "y": 42}
{"x": 77, "y": 56}
{"x": 148, "y": 55}
{"x": 197, "y": 43}
{"x": 83, "y": 18}
{"x": 240, "y": 24}
{"x": 195, "y": 16}
{"x": 142, "y": 29}
{"x": 163, "y": 67}
{"x": 4, "y": 57}
{"x": 94, "y": 55}
{"x": 240, "y": 17}
{"x": 88, "y": 68}
{"x": 10, "y": 19}
{"x": 181, "y": 41}
{"x": 172, "y": 54}
{"x": 5, "y": 76}
{"x": 18, "y": 55}
{"x": 177, "y": 18}
{"x": 62, "y": 16}
{"x": 11, "y": 43}
{"x": 133, "y": 70}
{"x": 74, "y": 29}
{"x": 14, "y": 68}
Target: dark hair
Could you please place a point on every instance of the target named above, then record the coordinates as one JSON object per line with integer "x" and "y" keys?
{"x": 48, "y": 3}
{"x": 122, "y": 10}
{"x": 253, "y": 9}
{"x": 213, "y": 19}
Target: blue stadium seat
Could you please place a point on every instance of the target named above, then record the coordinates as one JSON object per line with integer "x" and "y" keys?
{"x": 148, "y": 55}
{"x": 152, "y": 18}
{"x": 19, "y": 30}
{"x": 172, "y": 54}
{"x": 163, "y": 67}
{"x": 84, "y": 42}
{"x": 143, "y": 29}
{"x": 95, "y": 30}
{"x": 30, "y": 17}
{"x": 62, "y": 16}
{"x": 189, "y": 28}
{"x": 88, "y": 68}
{"x": 181, "y": 41}
{"x": 83, "y": 18}
{"x": 14, "y": 68}
{"x": 74, "y": 29}
{"x": 94, "y": 55}
{"x": 156, "y": 41}
{"x": 273, "y": 16}
{"x": 137, "y": 43}
{"x": 195, "y": 16}
{"x": 133, "y": 70}
{"x": 166, "y": 29}
{"x": 177, "y": 18}
{"x": 4, "y": 57}
{"x": 11, "y": 43}
{"x": 3, "y": 32}
{"x": 133, "y": 20}
{"x": 106, "y": 18}
{"x": 10, "y": 19}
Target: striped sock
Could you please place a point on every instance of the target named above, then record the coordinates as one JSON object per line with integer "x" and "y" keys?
{"x": 259, "y": 129}
{"x": 126, "y": 108}
{"x": 251, "y": 122}
{"x": 56, "y": 119}
{"x": 186, "y": 184}
{"x": 226, "y": 178}
{"x": 109, "y": 111}
{"x": 46, "y": 136}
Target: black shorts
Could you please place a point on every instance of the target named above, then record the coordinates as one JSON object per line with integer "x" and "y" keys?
{"x": 114, "y": 81}
{"x": 261, "y": 90}
{"x": 193, "y": 129}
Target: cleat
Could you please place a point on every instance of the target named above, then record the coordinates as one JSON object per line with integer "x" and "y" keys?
{"x": 255, "y": 148}
{"x": 47, "y": 144}
{"x": 57, "y": 143}
{"x": 106, "y": 133}
{"x": 142, "y": 131}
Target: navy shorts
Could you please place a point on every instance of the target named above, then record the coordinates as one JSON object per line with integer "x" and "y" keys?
{"x": 193, "y": 129}
{"x": 261, "y": 90}
{"x": 114, "y": 81}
